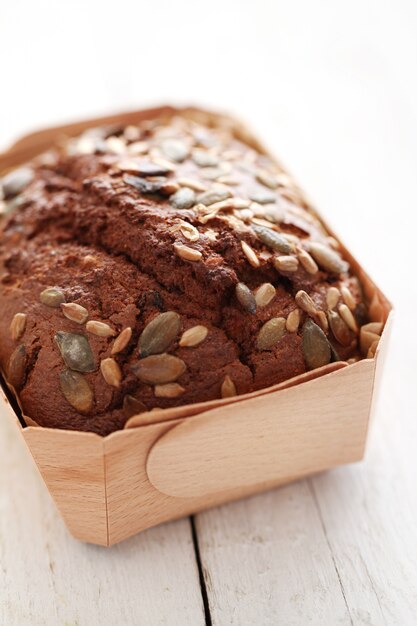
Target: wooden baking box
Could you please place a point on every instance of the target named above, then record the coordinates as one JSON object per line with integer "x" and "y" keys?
{"x": 167, "y": 464}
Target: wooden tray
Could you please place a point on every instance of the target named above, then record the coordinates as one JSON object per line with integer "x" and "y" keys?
{"x": 170, "y": 463}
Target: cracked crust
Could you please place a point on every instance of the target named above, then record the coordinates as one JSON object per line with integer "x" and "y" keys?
{"x": 81, "y": 227}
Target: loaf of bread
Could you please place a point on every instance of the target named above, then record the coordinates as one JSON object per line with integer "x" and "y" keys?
{"x": 163, "y": 264}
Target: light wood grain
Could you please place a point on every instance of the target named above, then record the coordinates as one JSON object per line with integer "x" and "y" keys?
{"x": 50, "y": 579}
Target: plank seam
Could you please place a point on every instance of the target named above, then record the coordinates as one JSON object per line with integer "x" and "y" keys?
{"x": 203, "y": 586}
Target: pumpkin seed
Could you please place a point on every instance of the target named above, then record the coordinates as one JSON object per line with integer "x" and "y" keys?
{"x": 348, "y": 298}
{"x": 272, "y": 240}
{"x": 339, "y": 329}
{"x": 307, "y": 261}
{"x": 327, "y": 258}
{"x": 228, "y": 388}
{"x": 193, "y": 336}
{"x": 169, "y": 390}
{"x": 15, "y": 182}
{"x": 101, "y": 329}
{"x": 347, "y": 315}
{"x": 332, "y": 297}
{"x": 214, "y": 195}
{"x": 111, "y": 372}
{"x": 263, "y": 196}
{"x": 265, "y": 294}
{"x": 159, "y": 334}
{"x": 175, "y": 150}
{"x": 74, "y": 312}
{"x": 122, "y": 340}
{"x": 202, "y": 158}
{"x": 250, "y": 254}
{"x": 293, "y": 321}
{"x": 316, "y": 348}
{"x": 163, "y": 187}
{"x": 183, "y": 199}
{"x": 245, "y": 297}
{"x": 159, "y": 369}
{"x": 16, "y": 370}
{"x": 286, "y": 263}
{"x": 53, "y": 297}
{"x": 18, "y": 325}
{"x": 186, "y": 253}
{"x": 75, "y": 351}
{"x": 132, "y": 406}
{"x": 271, "y": 332}
{"x": 76, "y": 391}
{"x": 267, "y": 179}
{"x": 305, "y": 303}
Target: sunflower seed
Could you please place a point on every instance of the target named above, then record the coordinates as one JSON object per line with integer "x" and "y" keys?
{"x": 327, "y": 259}
{"x": 373, "y": 327}
{"x": 15, "y": 182}
{"x": 159, "y": 334}
{"x": 305, "y": 303}
{"x": 245, "y": 297}
{"x": 286, "y": 263}
{"x": 164, "y": 163}
{"x": 115, "y": 145}
{"x": 75, "y": 312}
{"x": 18, "y": 325}
{"x": 307, "y": 261}
{"x": 52, "y": 297}
{"x": 101, "y": 329}
{"x": 183, "y": 199}
{"x": 228, "y": 388}
{"x": 131, "y": 133}
{"x": 122, "y": 340}
{"x": 367, "y": 338}
{"x": 193, "y": 336}
{"x": 263, "y": 196}
{"x": 169, "y": 390}
{"x": 321, "y": 319}
{"x": 316, "y": 348}
{"x": 159, "y": 369}
{"x": 214, "y": 195}
{"x": 76, "y": 391}
{"x": 189, "y": 231}
{"x": 273, "y": 240}
{"x": 75, "y": 351}
{"x": 138, "y": 147}
{"x": 265, "y": 294}
{"x": 267, "y": 179}
{"x": 186, "y": 253}
{"x": 339, "y": 328}
{"x": 332, "y": 297}
{"x": 202, "y": 158}
{"x": 347, "y": 316}
{"x": 293, "y": 321}
{"x": 250, "y": 254}
{"x": 228, "y": 180}
{"x": 132, "y": 406}
{"x": 16, "y": 370}
{"x": 175, "y": 150}
{"x": 271, "y": 332}
{"x": 348, "y": 298}
{"x": 195, "y": 185}
{"x": 111, "y": 372}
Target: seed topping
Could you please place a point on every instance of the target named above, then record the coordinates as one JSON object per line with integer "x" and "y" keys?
{"x": 305, "y": 303}
{"x": 316, "y": 348}
{"x": 75, "y": 351}
{"x": 16, "y": 370}
{"x": 250, "y": 254}
{"x": 327, "y": 258}
{"x": 121, "y": 342}
{"x": 101, "y": 329}
{"x": 186, "y": 253}
{"x": 293, "y": 321}
{"x": 132, "y": 406}
{"x": 168, "y": 390}
{"x": 76, "y": 391}
{"x": 245, "y": 297}
{"x": 228, "y": 388}
{"x": 183, "y": 199}
{"x": 111, "y": 372}
{"x": 272, "y": 239}
{"x": 270, "y": 334}
{"x": 307, "y": 261}
{"x": 52, "y": 296}
{"x": 332, "y": 297}
{"x": 265, "y": 294}
{"x": 18, "y": 325}
{"x": 74, "y": 312}
{"x": 286, "y": 263}
{"x": 193, "y": 336}
{"x": 159, "y": 334}
{"x": 159, "y": 369}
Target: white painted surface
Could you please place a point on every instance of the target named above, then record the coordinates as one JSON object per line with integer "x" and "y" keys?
{"x": 332, "y": 87}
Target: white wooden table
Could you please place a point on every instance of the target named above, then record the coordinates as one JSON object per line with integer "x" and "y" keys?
{"x": 333, "y": 88}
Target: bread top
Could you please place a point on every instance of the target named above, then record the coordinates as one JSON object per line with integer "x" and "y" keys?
{"x": 163, "y": 264}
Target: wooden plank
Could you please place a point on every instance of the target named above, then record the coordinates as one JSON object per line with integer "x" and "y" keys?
{"x": 267, "y": 561}
{"x": 50, "y": 578}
